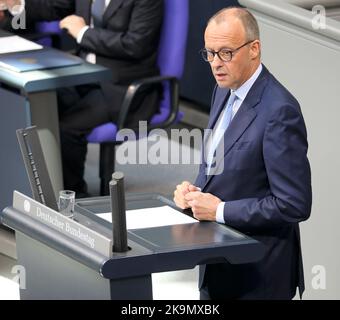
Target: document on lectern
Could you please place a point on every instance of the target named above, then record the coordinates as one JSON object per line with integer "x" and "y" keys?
{"x": 152, "y": 217}
{"x": 17, "y": 44}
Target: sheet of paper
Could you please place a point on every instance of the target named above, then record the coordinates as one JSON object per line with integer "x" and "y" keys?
{"x": 17, "y": 44}
{"x": 152, "y": 217}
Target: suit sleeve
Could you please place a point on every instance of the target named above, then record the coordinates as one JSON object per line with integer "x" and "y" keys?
{"x": 288, "y": 171}
{"x": 137, "y": 42}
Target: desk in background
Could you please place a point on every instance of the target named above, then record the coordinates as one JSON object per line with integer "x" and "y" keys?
{"x": 29, "y": 98}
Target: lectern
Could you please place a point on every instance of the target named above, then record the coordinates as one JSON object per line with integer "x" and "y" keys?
{"x": 67, "y": 259}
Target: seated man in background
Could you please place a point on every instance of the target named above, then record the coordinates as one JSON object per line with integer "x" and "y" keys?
{"x": 122, "y": 35}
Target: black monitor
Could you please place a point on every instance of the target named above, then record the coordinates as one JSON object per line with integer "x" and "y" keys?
{"x": 35, "y": 165}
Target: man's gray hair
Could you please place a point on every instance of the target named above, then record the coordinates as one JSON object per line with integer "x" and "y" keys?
{"x": 247, "y": 19}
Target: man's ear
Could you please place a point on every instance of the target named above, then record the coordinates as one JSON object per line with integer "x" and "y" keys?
{"x": 255, "y": 49}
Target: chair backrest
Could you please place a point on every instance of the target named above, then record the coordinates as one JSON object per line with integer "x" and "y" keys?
{"x": 171, "y": 54}
{"x": 171, "y": 58}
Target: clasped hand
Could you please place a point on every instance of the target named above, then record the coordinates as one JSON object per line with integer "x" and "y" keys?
{"x": 13, "y": 6}
{"x": 9, "y": 4}
{"x": 203, "y": 205}
{"x": 73, "y": 24}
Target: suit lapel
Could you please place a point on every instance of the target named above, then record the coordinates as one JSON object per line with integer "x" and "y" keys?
{"x": 237, "y": 127}
{"x": 242, "y": 120}
{"x": 239, "y": 124}
{"x": 111, "y": 9}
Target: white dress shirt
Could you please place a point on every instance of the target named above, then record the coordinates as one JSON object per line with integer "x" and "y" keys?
{"x": 241, "y": 94}
{"x": 91, "y": 57}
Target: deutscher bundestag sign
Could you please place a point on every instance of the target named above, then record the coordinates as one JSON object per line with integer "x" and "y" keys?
{"x": 63, "y": 224}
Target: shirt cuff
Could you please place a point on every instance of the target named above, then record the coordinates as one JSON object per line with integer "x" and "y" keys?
{"x": 220, "y": 212}
{"x": 17, "y": 9}
{"x": 81, "y": 34}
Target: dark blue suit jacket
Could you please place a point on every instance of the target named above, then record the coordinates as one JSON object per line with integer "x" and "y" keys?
{"x": 266, "y": 184}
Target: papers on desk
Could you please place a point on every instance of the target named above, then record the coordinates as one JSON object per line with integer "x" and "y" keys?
{"x": 47, "y": 58}
{"x": 17, "y": 44}
{"x": 152, "y": 217}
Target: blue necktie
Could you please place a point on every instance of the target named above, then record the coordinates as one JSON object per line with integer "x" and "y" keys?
{"x": 221, "y": 127}
{"x": 98, "y": 8}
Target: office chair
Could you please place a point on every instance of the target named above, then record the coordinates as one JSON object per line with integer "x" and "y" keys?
{"x": 171, "y": 56}
{"x": 47, "y": 33}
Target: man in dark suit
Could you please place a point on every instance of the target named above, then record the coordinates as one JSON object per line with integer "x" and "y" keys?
{"x": 261, "y": 185}
{"x": 122, "y": 35}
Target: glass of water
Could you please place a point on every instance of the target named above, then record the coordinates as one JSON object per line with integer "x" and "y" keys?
{"x": 66, "y": 202}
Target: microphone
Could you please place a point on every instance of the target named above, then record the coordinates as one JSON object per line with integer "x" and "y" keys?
{"x": 118, "y": 213}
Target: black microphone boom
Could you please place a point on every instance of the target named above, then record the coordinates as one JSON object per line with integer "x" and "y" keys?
{"x": 117, "y": 194}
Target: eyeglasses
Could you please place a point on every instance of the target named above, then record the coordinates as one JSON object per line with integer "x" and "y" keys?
{"x": 224, "y": 54}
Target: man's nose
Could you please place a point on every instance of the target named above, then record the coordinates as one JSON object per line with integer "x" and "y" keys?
{"x": 216, "y": 62}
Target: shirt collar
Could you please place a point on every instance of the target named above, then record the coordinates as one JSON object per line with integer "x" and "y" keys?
{"x": 242, "y": 91}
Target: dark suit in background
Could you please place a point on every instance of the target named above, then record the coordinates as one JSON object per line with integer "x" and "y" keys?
{"x": 266, "y": 187}
{"x": 127, "y": 43}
